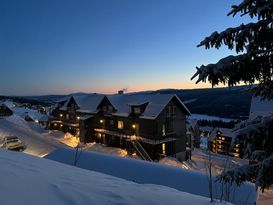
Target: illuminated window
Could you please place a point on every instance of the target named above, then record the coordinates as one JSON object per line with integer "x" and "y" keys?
{"x": 61, "y": 115}
{"x": 101, "y": 121}
{"x": 163, "y": 130}
{"x": 223, "y": 138}
{"x": 78, "y": 118}
{"x": 61, "y": 125}
{"x": 163, "y": 148}
{"x": 120, "y": 124}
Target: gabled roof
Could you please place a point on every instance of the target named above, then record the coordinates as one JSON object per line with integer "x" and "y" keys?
{"x": 156, "y": 103}
{"x": 225, "y": 132}
{"x": 87, "y": 103}
{"x": 123, "y": 102}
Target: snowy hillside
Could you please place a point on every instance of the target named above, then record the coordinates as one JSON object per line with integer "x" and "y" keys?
{"x": 153, "y": 173}
{"x": 28, "y": 180}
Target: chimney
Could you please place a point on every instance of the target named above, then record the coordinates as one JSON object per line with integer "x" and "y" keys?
{"x": 120, "y": 92}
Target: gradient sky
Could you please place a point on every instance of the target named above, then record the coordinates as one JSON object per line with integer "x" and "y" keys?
{"x": 63, "y": 46}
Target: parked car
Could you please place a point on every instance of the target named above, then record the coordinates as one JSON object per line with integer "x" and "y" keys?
{"x": 12, "y": 143}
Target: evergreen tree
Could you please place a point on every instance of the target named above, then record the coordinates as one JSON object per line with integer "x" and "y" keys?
{"x": 253, "y": 63}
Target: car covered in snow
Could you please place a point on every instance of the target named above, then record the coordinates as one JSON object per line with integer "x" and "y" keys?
{"x": 12, "y": 143}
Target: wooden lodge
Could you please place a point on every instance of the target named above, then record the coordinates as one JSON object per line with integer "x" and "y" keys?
{"x": 221, "y": 143}
{"x": 152, "y": 125}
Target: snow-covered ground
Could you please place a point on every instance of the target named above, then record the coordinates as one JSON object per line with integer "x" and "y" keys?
{"x": 31, "y": 133}
{"x": 209, "y": 117}
{"x": 144, "y": 172}
{"x": 30, "y": 180}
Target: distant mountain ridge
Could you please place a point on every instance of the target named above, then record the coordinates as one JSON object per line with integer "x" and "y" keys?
{"x": 233, "y": 102}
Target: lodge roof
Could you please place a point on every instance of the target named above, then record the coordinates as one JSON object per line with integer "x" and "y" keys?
{"x": 88, "y": 103}
{"x": 156, "y": 103}
{"x": 122, "y": 103}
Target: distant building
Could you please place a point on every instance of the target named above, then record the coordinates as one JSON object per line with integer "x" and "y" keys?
{"x": 260, "y": 107}
{"x": 220, "y": 142}
{"x": 5, "y": 110}
{"x": 35, "y": 116}
{"x": 154, "y": 125}
{"x": 194, "y": 128}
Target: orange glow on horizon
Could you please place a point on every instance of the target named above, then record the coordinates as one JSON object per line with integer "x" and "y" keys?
{"x": 114, "y": 89}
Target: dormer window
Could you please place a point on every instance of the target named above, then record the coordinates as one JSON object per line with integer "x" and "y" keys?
{"x": 137, "y": 110}
{"x": 171, "y": 111}
{"x": 110, "y": 108}
{"x": 104, "y": 108}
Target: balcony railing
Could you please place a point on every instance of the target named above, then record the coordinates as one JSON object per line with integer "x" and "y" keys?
{"x": 155, "y": 140}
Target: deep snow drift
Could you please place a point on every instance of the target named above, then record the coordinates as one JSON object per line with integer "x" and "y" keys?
{"x": 153, "y": 173}
{"x": 28, "y": 180}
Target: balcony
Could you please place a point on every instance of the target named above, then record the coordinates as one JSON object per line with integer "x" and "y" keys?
{"x": 151, "y": 140}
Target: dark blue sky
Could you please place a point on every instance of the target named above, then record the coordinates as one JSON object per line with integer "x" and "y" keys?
{"x": 63, "y": 46}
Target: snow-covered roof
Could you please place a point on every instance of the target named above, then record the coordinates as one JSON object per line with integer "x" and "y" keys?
{"x": 36, "y": 116}
{"x": 206, "y": 128}
{"x": 9, "y": 104}
{"x": 225, "y": 132}
{"x": 31, "y": 180}
{"x": 210, "y": 118}
{"x": 260, "y": 107}
{"x": 153, "y": 173}
{"x": 123, "y": 102}
{"x": 156, "y": 103}
{"x": 87, "y": 103}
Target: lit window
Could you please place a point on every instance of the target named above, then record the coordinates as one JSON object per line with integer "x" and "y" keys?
{"x": 163, "y": 148}
{"x": 101, "y": 121}
{"x": 137, "y": 110}
{"x": 163, "y": 130}
{"x": 120, "y": 124}
{"x": 223, "y": 138}
{"x": 78, "y": 118}
{"x": 61, "y": 115}
{"x": 61, "y": 125}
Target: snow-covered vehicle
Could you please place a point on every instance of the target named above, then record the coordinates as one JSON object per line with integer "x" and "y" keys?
{"x": 12, "y": 143}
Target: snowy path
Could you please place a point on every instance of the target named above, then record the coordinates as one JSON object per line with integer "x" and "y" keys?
{"x": 37, "y": 143}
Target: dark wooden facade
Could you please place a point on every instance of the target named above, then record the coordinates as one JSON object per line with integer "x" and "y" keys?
{"x": 164, "y": 135}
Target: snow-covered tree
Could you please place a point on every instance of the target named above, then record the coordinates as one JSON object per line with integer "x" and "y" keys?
{"x": 253, "y": 63}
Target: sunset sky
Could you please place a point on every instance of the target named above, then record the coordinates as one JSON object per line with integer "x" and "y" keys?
{"x": 64, "y": 46}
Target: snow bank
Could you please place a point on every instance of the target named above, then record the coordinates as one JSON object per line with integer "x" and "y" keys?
{"x": 152, "y": 173}
{"x": 30, "y": 180}
{"x": 209, "y": 117}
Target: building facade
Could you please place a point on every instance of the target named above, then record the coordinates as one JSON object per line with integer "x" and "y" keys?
{"x": 152, "y": 125}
